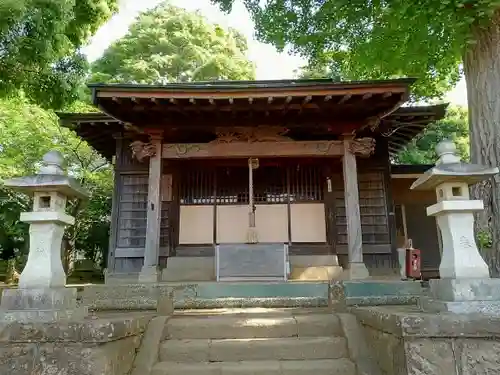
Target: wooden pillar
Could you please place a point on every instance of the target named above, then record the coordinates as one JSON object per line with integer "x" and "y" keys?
{"x": 356, "y": 267}
{"x": 150, "y": 271}
{"x": 113, "y": 236}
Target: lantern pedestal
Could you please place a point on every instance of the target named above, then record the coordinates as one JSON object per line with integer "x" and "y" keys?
{"x": 465, "y": 285}
{"x": 463, "y": 296}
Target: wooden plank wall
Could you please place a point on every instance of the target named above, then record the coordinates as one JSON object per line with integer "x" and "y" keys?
{"x": 421, "y": 228}
{"x": 128, "y": 235}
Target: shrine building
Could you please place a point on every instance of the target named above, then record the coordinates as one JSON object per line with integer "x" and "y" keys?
{"x": 260, "y": 180}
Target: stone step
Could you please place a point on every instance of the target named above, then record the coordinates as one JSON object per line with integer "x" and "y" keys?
{"x": 260, "y": 349}
{"x": 263, "y": 323}
{"x": 317, "y": 367}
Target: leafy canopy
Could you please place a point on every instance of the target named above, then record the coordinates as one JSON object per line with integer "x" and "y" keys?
{"x": 27, "y": 132}
{"x": 375, "y": 39}
{"x": 39, "y": 46}
{"x": 169, "y": 44}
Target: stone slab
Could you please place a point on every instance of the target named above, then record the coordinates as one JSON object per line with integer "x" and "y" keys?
{"x": 319, "y": 367}
{"x": 460, "y": 307}
{"x": 42, "y": 299}
{"x": 149, "y": 275}
{"x": 29, "y": 316}
{"x": 465, "y": 289}
{"x": 250, "y": 261}
{"x": 90, "y": 331}
{"x": 276, "y": 302}
{"x": 428, "y": 343}
{"x": 358, "y": 346}
{"x": 373, "y": 293}
{"x": 206, "y": 295}
{"x": 325, "y": 273}
{"x": 229, "y": 350}
{"x": 410, "y": 321}
{"x": 147, "y": 356}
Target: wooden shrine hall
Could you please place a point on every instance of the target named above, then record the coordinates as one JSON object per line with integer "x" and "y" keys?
{"x": 259, "y": 180}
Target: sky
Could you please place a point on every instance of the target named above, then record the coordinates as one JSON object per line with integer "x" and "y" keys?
{"x": 269, "y": 63}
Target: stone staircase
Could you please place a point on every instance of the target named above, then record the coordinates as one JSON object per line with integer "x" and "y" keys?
{"x": 268, "y": 341}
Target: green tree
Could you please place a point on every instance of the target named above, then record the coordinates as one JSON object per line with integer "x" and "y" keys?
{"x": 454, "y": 126}
{"x": 27, "y": 132}
{"x": 429, "y": 40}
{"x": 39, "y": 46}
{"x": 169, "y": 44}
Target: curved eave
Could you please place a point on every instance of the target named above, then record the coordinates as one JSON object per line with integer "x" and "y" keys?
{"x": 97, "y": 129}
{"x": 407, "y": 123}
{"x": 400, "y": 127}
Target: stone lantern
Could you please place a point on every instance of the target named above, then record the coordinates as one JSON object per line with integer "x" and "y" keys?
{"x": 42, "y": 294}
{"x": 465, "y": 285}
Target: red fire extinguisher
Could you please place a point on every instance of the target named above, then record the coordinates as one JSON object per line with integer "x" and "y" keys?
{"x": 413, "y": 263}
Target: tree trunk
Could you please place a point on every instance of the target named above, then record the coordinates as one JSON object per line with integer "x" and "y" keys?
{"x": 482, "y": 73}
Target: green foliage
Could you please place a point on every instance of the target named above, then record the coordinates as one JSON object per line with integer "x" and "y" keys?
{"x": 27, "y": 132}
{"x": 39, "y": 44}
{"x": 375, "y": 39}
{"x": 166, "y": 44}
{"x": 454, "y": 126}
{"x": 169, "y": 44}
{"x": 318, "y": 70}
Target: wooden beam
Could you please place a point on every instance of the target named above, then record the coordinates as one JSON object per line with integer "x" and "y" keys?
{"x": 345, "y": 98}
{"x": 246, "y": 107}
{"x": 254, "y": 149}
{"x": 224, "y": 95}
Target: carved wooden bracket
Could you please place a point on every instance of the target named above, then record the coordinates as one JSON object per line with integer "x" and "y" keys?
{"x": 251, "y": 134}
{"x": 362, "y": 146}
{"x": 142, "y": 150}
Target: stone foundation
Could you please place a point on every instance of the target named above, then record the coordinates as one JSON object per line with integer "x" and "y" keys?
{"x": 205, "y": 295}
{"x": 189, "y": 269}
{"x": 405, "y": 341}
{"x": 91, "y": 347}
{"x": 302, "y": 267}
